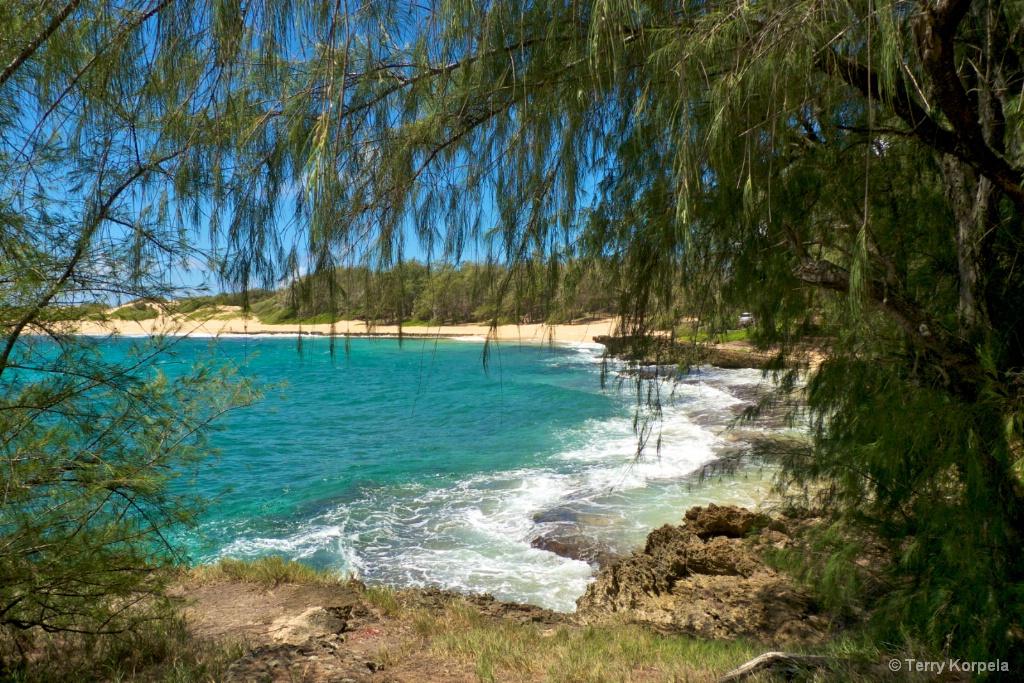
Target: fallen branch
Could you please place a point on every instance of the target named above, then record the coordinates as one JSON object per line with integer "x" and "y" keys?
{"x": 788, "y": 663}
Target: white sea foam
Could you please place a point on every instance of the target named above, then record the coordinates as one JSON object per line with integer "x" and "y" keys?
{"x": 474, "y": 534}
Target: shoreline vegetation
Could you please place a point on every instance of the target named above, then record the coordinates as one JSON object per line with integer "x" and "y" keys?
{"x": 274, "y": 620}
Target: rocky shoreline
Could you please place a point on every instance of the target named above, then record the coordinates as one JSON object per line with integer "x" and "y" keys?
{"x": 708, "y": 578}
{"x": 577, "y": 531}
{"x": 705, "y": 578}
{"x": 735, "y": 355}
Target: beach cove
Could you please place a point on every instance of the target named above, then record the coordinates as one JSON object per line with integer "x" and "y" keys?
{"x": 414, "y": 464}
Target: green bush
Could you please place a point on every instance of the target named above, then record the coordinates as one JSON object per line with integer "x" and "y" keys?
{"x": 92, "y": 490}
{"x": 135, "y": 312}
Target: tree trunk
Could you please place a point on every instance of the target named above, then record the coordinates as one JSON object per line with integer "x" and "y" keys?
{"x": 972, "y": 198}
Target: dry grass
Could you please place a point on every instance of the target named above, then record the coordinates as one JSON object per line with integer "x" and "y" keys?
{"x": 269, "y": 571}
{"x": 163, "y": 651}
{"x": 508, "y": 650}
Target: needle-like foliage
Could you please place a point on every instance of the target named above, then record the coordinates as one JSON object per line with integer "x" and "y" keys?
{"x": 845, "y": 169}
{"x": 98, "y": 102}
{"x": 851, "y": 170}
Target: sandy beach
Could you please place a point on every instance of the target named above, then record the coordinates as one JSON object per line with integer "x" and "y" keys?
{"x": 228, "y": 325}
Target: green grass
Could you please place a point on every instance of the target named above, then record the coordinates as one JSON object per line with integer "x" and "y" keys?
{"x": 186, "y": 306}
{"x": 207, "y": 313}
{"x": 732, "y": 335}
{"x": 385, "y": 599}
{"x": 269, "y": 314}
{"x": 265, "y": 571}
{"x": 318, "y": 319}
{"x": 506, "y": 649}
{"x": 500, "y": 649}
{"x": 190, "y": 304}
{"x": 91, "y": 311}
{"x": 686, "y": 333}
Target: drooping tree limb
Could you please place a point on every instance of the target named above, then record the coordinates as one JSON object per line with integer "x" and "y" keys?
{"x": 85, "y": 239}
{"x": 966, "y": 143}
{"x": 961, "y": 369}
{"x": 146, "y": 16}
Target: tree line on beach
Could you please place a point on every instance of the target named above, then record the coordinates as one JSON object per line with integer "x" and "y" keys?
{"x": 855, "y": 166}
{"x": 414, "y": 292}
{"x": 417, "y": 293}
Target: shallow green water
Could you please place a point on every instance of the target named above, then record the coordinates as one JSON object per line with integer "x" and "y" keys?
{"x": 413, "y": 465}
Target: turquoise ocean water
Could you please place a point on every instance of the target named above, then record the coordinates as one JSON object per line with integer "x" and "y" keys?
{"x": 414, "y": 465}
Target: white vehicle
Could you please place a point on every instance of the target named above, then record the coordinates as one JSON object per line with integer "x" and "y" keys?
{"x": 746, "y": 319}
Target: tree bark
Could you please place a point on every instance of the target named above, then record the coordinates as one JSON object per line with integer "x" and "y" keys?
{"x": 972, "y": 198}
{"x": 974, "y": 137}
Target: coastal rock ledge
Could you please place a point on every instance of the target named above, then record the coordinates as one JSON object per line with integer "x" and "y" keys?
{"x": 707, "y": 578}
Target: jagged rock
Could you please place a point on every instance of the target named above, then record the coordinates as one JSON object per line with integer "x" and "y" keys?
{"x": 723, "y": 520}
{"x": 703, "y": 578}
{"x": 312, "y": 622}
{"x": 333, "y": 619}
{"x": 738, "y": 358}
{"x": 431, "y": 598}
{"x": 571, "y": 516}
{"x": 576, "y": 546}
{"x": 265, "y": 664}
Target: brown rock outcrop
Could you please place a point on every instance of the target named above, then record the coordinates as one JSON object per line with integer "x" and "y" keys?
{"x": 723, "y": 520}
{"x": 707, "y": 578}
{"x": 576, "y": 546}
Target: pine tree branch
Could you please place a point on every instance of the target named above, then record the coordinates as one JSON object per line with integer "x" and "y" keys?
{"x": 962, "y": 144}
{"x": 34, "y": 44}
{"x": 128, "y": 29}
{"x": 83, "y": 243}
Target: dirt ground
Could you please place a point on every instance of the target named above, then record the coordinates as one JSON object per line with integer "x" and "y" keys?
{"x": 703, "y": 584}
{"x": 333, "y": 634}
